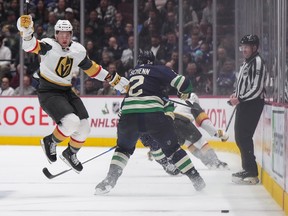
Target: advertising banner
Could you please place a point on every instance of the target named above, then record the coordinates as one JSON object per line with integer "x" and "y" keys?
{"x": 22, "y": 116}
{"x": 278, "y": 147}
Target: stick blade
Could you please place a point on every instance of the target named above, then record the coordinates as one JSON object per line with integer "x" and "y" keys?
{"x": 47, "y": 173}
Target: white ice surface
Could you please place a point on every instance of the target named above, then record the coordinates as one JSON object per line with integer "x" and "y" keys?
{"x": 144, "y": 189}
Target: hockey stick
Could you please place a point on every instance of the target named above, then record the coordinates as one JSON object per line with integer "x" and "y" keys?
{"x": 27, "y": 6}
{"x": 51, "y": 176}
{"x": 189, "y": 104}
{"x": 229, "y": 122}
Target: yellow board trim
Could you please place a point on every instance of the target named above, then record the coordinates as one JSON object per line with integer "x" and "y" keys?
{"x": 96, "y": 142}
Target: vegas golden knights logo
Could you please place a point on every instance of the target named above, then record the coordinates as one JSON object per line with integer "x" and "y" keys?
{"x": 64, "y": 66}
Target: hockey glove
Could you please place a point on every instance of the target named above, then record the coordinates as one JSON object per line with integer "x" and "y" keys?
{"x": 120, "y": 83}
{"x": 183, "y": 96}
{"x": 25, "y": 26}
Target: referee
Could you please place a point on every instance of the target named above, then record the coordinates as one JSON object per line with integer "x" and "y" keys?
{"x": 248, "y": 98}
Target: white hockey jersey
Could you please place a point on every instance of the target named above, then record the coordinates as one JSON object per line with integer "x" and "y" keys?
{"x": 57, "y": 64}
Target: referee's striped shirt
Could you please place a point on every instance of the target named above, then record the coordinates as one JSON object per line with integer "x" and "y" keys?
{"x": 251, "y": 79}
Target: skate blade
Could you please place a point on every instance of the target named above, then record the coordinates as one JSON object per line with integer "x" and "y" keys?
{"x": 99, "y": 191}
{"x": 67, "y": 162}
{"x": 246, "y": 181}
{"x": 218, "y": 168}
{"x": 43, "y": 147}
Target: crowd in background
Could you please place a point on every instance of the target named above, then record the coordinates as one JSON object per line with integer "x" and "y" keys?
{"x": 109, "y": 40}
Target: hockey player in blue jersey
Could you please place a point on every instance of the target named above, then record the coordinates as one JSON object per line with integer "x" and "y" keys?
{"x": 143, "y": 113}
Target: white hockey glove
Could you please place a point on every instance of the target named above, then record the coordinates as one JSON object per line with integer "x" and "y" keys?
{"x": 25, "y": 26}
{"x": 120, "y": 83}
{"x": 183, "y": 96}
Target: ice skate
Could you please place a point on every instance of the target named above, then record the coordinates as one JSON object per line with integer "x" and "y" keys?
{"x": 170, "y": 168}
{"x": 197, "y": 180}
{"x": 245, "y": 177}
{"x": 71, "y": 160}
{"x": 222, "y": 135}
{"x": 106, "y": 185}
{"x": 49, "y": 148}
{"x": 217, "y": 164}
{"x": 210, "y": 159}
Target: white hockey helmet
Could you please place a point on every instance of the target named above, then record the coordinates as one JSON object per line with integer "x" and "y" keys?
{"x": 63, "y": 25}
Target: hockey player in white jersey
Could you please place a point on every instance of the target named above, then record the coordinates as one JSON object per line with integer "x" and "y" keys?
{"x": 197, "y": 145}
{"x": 59, "y": 57}
{"x": 189, "y": 135}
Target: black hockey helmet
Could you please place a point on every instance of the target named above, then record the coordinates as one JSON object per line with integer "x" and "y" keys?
{"x": 250, "y": 39}
{"x": 145, "y": 57}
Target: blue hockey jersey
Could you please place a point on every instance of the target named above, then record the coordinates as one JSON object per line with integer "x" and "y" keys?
{"x": 146, "y": 88}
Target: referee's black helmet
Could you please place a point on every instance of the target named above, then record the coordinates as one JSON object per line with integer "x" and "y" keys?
{"x": 250, "y": 39}
{"x": 145, "y": 57}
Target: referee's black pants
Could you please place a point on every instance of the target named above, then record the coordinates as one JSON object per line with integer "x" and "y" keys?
{"x": 247, "y": 116}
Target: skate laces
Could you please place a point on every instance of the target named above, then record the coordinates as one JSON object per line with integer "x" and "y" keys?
{"x": 53, "y": 148}
{"x": 74, "y": 159}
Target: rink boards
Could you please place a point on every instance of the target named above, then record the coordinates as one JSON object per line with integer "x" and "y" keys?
{"x": 23, "y": 122}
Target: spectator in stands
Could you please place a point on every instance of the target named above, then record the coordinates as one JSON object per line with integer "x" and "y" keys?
{"x": 89, "y": 87}
{"x": 3, "y": 13}
{"x": 107, "y": 89}
{"x": 126, "y": 8}
{"x": 106, "y": 12}
{"x": 194, "y": 75}
{"x": 69, "y": 15}
{"x": 145, "y": 35}
{"x": 39, "y": 32}
{"x": 93, "y": 53}
{"x": 206, "y": 60}
{"x": 15, "y": 7}
{"x": 11, "y": 19}
{"x": 158, "y": 49}
{"x": 153, "y": 18}
{"x": 186, "y": 60}
{"x": 171, "y": 44}
{"x": 108, "y": 32}
{"x": 41, "y": 13}
{"x": 11, "y": 39}
{"x": 127, "y": 55}
{"x": 112, "y": 69}
{"x": 15, "y": 81}
{"x": 114, "y": 48}
{"x": 227, "y": 42}
{"x": 52, "y": 19}
{"x": 106, "y": 59}
{"x": 118, "y": 24}
{"x": 193, "y": 45}
{"x": 207, "y": 14}
{"x": 60, "y": 9}
{"x": 226, "y": 78}
{"x": 5, "y": 58}
{"x": 169, "y": 6}
{"x": 170, "y": 24}
{"x": 123, "y": 39}
{"x": 5, "y": 89}
{"x": 94, "y": 21}
{"x": 190, "y": 17}
{"x": 90, "y": 35}
{"x": 221, "y": 58}
{"x": 28, "y": 89}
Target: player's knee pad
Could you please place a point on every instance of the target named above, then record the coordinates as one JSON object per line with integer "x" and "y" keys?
{"x": 82, "y": 131}
{"x": 69, "y": 124}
